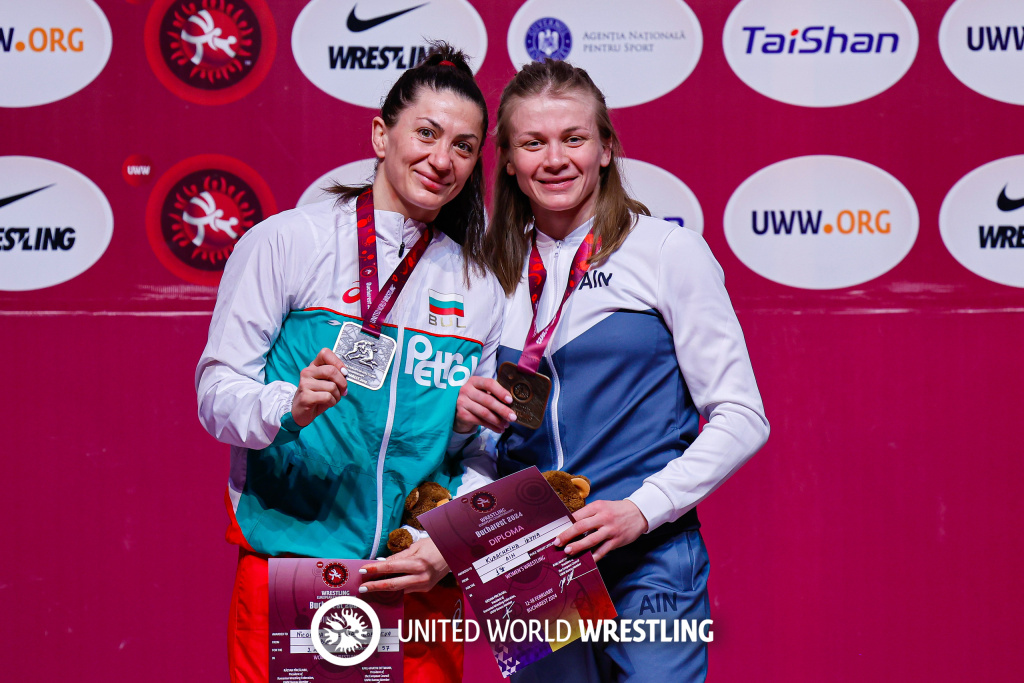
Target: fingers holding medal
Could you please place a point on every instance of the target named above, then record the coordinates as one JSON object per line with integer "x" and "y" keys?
{"x": 321, "y": 385}
{"x": 485, "y": 403}
{"x": 530, "y": 391}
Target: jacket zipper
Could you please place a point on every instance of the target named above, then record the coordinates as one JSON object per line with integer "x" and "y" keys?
{"x": 386, "y": 440}
{"x": 554, "y": 411}
{"x": 392, "y": 399}
{"x": 559, "y": 455}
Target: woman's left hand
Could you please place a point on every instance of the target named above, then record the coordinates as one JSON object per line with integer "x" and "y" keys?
{"x": 611, "y": 523}
{"x": 419, "y": 566}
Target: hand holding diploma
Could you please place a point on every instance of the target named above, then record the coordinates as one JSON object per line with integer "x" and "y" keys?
{"x": 499, "y": 542}
{"x": 608, "y": 524}
{"x": 420, "y": 567}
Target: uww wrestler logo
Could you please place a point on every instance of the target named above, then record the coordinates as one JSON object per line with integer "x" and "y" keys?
{"x": 363, "y": 352}
{"x": 210, "y": 36}
{"x": 212, "y": 217}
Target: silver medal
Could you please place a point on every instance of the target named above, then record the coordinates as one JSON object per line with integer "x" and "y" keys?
{"x": 366, "y": 359}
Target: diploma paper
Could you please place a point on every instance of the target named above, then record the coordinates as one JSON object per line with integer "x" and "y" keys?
{"x": 298, "y": 587}
{"x": 498, "y": 542}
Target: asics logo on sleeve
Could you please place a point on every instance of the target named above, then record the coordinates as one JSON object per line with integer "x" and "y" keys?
{"x": 357, "y": 25}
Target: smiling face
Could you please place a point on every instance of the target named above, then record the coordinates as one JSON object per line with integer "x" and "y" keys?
{"x": 427, "y": 156}
{"x": 556, "y": 154}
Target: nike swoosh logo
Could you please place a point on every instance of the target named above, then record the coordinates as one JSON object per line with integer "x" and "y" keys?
{"x": 15, "y": 197}
{"x": 1006, "y": 204}
{"x": 357, "y": 25}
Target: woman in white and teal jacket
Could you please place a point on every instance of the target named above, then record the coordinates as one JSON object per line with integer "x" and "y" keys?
{"x": 321, "y": 466}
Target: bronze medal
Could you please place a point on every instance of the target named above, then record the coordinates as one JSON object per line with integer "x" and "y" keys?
{"x": 529, "y": 388}
{"x": 530, "y": 391}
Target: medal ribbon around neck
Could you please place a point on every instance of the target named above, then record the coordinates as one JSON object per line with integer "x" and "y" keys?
{"x": 537, "y": 341}
{"x": 375, "y": 305}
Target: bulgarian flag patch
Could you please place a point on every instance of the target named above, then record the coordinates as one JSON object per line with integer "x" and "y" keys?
{"x": 446, "y": 304}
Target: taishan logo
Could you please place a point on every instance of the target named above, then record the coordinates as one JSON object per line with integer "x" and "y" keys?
{"x": 210, "y": 51}
{"x": 982, "y": 221}
{"x": 982, "y": 43}
{"x": 814, "y": 40}
{"x": 820, "y": 54}
{"x": 199, "y": 209}
{"x": 50, "y": 49}
{"x": 789, "y": 227}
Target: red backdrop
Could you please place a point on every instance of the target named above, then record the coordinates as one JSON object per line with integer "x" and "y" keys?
{"x": 876, "y": 537}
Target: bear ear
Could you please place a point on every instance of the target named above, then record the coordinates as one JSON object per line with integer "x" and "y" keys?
{"x": 413, "y": 498}
{"x": 583, "y": 484}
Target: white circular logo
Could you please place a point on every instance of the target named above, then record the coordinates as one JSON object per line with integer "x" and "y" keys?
{"x": 982, "y": 42}
{"x": 664, "y": 194}
{"x": 635, "y": 52}
{"x": 355, "y": 51}
{"x": 820, "y": 54}
{"x": 50, "y": 49}
{"x": 345, "y": 631}
{"x": 982, "y": 221}
{"x": 821, "y": 222}
{"x": 54, "y": 223}
{"x": 353, "y": 173}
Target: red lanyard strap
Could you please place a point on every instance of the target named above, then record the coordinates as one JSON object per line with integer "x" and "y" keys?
{"x": 537, "y": 341}
{"x": 375, "y": 305}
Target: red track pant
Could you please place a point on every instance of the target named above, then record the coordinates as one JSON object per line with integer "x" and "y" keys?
{"x": 249, "y": 628}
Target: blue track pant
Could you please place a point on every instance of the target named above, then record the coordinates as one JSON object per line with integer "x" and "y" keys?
{"x": 662, "y": 575}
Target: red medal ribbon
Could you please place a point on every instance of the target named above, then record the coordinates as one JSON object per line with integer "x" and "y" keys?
{"x": 375, "y": 305}
{"x": 537, "y": 341}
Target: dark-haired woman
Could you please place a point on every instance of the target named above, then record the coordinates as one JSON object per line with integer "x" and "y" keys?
{"x": 341, "y": 336}
{"x": 645, "y": 342}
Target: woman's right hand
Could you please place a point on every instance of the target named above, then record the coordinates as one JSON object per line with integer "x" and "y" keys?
{"x": 321, "y": 385}
{"x": 483, "y": 403}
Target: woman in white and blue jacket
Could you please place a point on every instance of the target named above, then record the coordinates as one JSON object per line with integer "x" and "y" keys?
{"x": 646, "y": 345}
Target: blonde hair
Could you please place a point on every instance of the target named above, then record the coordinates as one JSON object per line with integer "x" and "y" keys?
{"x": 507, "y": 241}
